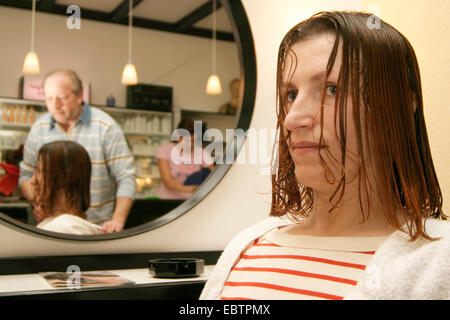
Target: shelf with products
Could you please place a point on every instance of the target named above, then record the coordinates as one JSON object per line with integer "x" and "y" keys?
{"x": 17, "y": 114}
{"x": 141, "y": 122}
{"x": 16, "y": 118}
{"x": 144, "y": 131}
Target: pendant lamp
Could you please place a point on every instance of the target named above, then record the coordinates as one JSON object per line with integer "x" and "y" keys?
{"x": 129, "y": 74}
{"x": 31, "y": 63}
{"x": 213, "y": 85}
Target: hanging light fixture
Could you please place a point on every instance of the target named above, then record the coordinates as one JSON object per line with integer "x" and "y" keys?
{"x": 213, "y": 85}
{"x": 31, "y": 63}
{"x": 129, "y": 74}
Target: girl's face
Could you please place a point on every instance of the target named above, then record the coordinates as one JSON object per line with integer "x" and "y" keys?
{"x": 304, "y": 93}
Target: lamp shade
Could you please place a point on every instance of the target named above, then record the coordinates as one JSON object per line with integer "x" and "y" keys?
{"x": 31, "y": 64}
{"x": 213, "y": 85}
{"x": 129, "y": 75}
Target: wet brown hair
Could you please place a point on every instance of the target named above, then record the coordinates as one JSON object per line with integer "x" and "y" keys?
{"x": 380, "y": 74}
{"x": 187, "y": 124}
{"x": 65, "y": 175}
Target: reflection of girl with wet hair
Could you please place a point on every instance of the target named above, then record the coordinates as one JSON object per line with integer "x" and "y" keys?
{"x": 61, "y": 184}
{"x": 355, "y": 177}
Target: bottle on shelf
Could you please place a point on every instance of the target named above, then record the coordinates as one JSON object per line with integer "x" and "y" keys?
{"x": 18, "y": 113}
{"x": 149, "y": 125}
{"x": 156, "y": 124}
{"x": 24, "y": 114}
{"x": 133, "y": 124}
{"x": 126, "y": 124}
{"x": 165, "y": 125}
{"x": 5, "y": 113}
{"x": 140, "y": 124}
{"x": 31, "y": 115}
{"x": 11, "y": 114}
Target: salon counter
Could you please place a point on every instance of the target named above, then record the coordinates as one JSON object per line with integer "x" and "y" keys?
{"x": 34, "y": 286}
{"x": 20, "y": 278}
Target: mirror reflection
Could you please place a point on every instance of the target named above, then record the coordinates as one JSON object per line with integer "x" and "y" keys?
{"x": 127, "y": 131}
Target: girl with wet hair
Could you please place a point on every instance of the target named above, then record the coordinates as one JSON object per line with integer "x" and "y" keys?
{"x": 61, "y": 185}
{"x": 356, "y": 203}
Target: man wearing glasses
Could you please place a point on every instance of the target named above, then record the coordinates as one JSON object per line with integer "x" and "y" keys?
{"x": 113, "y": 183}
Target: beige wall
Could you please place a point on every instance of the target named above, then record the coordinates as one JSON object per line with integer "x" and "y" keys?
{"x": 241, "y": 198}
{"x": 426, "y": 24}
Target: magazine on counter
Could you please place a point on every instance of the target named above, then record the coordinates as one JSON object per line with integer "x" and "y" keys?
{"x": 84, "y": 279}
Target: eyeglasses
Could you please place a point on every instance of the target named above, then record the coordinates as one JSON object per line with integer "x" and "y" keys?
{"x": 61, "y": 97}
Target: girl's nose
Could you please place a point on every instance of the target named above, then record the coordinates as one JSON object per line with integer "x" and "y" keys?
{"x": 301, "y": 114}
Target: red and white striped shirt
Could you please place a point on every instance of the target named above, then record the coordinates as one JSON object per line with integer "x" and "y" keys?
{"x": 285, "y": 266}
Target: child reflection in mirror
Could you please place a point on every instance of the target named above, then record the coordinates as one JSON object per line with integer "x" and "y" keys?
{"x": 61, "y": 183}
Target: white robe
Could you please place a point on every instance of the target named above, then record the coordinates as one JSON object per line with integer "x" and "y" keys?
{"x": 399, "y": 270}
{"x": 68, "y": 223}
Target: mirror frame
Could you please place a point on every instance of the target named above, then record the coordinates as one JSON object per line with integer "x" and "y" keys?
{"x": 246, "y": 50}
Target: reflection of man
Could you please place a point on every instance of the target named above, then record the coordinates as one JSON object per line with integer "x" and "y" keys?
{"x": 231, "y": 106}
{"x": 113, "y": 183}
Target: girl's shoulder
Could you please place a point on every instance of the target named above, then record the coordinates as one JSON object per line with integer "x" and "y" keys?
{"x": 69, "y": 223}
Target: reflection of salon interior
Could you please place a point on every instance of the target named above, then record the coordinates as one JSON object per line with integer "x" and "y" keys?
{"x": 171, "y": 82}
{"x": 172, "y": 50}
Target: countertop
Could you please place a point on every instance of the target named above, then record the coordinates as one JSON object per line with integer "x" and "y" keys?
{"x": 14, "y": 285}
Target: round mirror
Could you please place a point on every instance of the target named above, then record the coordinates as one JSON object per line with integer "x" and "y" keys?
{"x": 218, "y": 39}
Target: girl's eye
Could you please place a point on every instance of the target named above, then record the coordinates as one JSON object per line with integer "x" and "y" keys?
{"x": 291, "y": 95}
{"x": 331, "y": 89}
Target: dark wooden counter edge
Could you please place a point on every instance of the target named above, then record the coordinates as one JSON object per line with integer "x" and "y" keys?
{"x": 25, "y": 265}
{"x": 181, "y": 290}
